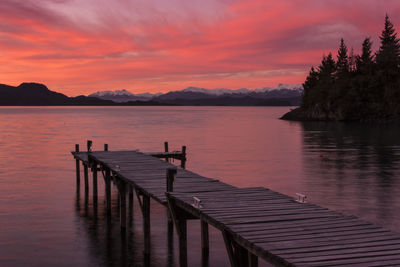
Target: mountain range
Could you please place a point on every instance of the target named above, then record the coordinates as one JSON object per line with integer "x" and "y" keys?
{"x": 282, "y": 95}
{"x": 35, "y": 94}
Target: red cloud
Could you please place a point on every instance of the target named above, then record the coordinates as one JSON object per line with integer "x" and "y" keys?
{"x": 81, "y": 46}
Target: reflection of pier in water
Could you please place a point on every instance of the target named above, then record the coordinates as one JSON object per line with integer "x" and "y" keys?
{"x": 254, "y": 222}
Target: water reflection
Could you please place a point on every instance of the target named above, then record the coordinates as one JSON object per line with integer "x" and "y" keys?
{"x": 354, "y": 168}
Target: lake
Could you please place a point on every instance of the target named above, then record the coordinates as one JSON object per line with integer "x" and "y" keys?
{"x": 348, "y": 167}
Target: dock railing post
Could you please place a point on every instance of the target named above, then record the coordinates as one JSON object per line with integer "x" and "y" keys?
{"x": 78, "y": 171}
{"x": 171, "y": 175}
{"x": 166, "y": 150}
{"x": 183, "y": 157}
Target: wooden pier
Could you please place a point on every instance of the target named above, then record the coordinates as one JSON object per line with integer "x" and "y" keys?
{"x": 255, "y": 222}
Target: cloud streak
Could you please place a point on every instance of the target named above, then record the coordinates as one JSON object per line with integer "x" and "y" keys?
{"x": 77, "y": 46}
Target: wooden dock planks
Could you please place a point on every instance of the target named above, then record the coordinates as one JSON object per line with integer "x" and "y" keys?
{"x": 148, "y": 174}
{"x": 255, "y": 222}
{"x": 287, "y": 233}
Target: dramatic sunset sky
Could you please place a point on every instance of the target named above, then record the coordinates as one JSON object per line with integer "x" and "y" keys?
{"x": 81, "y": 46}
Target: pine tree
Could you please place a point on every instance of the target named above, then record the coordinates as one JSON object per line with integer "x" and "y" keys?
{"x": 352, "y": 61}
{"x": 366, "y": 60}
{"x": 328, "y": 66}
{"x": 388, "y": 56}
{"x": 343, "y": 60}
{"x": 310, "y": 88}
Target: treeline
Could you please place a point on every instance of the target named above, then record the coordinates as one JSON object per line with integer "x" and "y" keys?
{"x": 355, "y": 87}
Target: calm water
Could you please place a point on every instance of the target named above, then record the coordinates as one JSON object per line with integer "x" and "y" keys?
{"x": 346, "y": 167}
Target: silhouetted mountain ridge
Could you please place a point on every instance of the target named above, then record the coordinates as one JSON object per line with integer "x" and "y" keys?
{"x": 35, "y": 94}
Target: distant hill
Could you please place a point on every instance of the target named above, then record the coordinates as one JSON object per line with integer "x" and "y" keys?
{"x": 35, "y": 94}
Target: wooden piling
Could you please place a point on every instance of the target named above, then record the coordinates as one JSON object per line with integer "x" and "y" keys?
{"x": 204, "y": 243}
{"x": 94, "y": 170}
{"x": 86, "y": 175}
{"x": 78, "y": 171}
{"x": 166, "y": 146}
{"x": 183, "y": 157}
{"x": 146, "y": 226}
{"x": 107, "y": 180}
{"x": 180, "y": 223}
{"x": 89, "y": 144}
{"x": 105, "y": 147}
{"x": 130, "y": 204}
{"x": 122, "y": 196}
{"x": 182, "y": 241}
{"x": 253, "y": 260}
{"x": 171, "y": 174}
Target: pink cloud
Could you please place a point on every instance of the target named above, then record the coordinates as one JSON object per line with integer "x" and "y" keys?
{"x": 77, "y": 46}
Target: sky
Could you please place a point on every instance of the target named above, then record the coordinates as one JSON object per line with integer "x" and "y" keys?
{"x": 83, "y": 46}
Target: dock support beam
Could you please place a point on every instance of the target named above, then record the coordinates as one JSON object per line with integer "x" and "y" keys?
{"x": 179, "y": 218}
{"x": 94, "y": 170}
{"x": 238, "y": 256}
{"x": 107, "y": 180}
{"x": 86, "y": 176}
{"x": 78, "y": 171}
{"x": 122, "y": 196}
{"x": 130, "y": 204}
{"x": 146, "y": 227}
{"x": 204, "y": 243}
{"x": 144, "y": 203}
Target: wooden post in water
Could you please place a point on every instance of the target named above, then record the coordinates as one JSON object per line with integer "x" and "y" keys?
{"x": 85, "y": 170}
{"x": 183, "y": 159}
{"x": 166, "y": 150}
{"x": 86, "y": 175}
{"x": 78, "y": 171}
{"x": 130, "y": 204}
{"x": 253, "y": 260}
{"x": 107, "y": 179}
{"x": 122, "y": 195}
{"x": 105, "y": 147}
{"x": 94, "y": 170}
{"x": 146, "y": 227}
{"x": 179, "y": 219}
{"x": 204, "y": 243}
{"x": 171, "y": 175}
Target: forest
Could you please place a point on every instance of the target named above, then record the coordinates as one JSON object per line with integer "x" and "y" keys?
{"x": 363, "y": 87}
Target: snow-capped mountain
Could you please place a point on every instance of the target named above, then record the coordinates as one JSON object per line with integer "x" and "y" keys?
{"x": 222, "y": 91}
{"x": 123, "y": 96}
{"x": 203, "y": 96}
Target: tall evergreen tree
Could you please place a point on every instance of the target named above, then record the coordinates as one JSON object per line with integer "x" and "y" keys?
{"x": 388, "y": 56}
{"x": 343, "y": 60}
{"x": 328, "y": 66}
{"x": 366, "y": 60}
{"x": 352, "y": 61}
{"x": 311, "y": 94}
